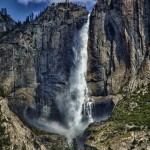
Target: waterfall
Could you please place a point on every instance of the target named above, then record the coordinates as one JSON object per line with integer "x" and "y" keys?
{"x": 73, "y": 104}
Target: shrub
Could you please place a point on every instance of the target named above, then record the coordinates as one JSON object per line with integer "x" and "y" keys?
{"x": 2, "y": 94}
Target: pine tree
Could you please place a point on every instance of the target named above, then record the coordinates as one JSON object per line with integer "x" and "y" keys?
{"x": 27, "y": 19}
{"x": 4, "y": 11}
{"x": 75, "y": 145}
{"x": 31, "y": 16}
{"x": 19, "y": 23}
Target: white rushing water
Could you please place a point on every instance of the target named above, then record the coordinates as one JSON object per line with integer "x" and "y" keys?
{"x": 74, "y": 103}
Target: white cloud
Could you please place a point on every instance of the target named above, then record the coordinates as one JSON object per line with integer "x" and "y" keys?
{"x": 85, "y": 1}
{"x": 28, "y": 1}
{"x": 56, "y": 1}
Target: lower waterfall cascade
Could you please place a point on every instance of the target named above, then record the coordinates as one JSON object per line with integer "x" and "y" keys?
{"x": 74, "y": 104}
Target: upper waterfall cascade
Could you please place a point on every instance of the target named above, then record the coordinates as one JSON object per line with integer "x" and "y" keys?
{"x": 73, "y": 104}
{"x": 77, "y": 95}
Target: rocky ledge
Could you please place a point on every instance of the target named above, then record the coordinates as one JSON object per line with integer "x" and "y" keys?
{"x": 127, "y": 129}
{"x": 15, "y": 135}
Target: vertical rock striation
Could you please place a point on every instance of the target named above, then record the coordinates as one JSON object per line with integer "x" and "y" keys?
{"x": 55, "y": 56}
{"x": 36, "y": 60}
{"x": 118, "y": 46}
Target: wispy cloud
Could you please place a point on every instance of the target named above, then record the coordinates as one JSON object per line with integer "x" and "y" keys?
{"x": 56, "y": 1}
{"x": 25, "y": 2}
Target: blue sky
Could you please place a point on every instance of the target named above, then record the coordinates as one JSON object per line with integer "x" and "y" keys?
{"x": 19, "y": 9}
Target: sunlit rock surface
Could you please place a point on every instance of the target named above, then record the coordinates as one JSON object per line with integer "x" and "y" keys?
{"x": 119, "y": 44}
{"x": 127, "y": 128}
{"x": 14, "y": 134}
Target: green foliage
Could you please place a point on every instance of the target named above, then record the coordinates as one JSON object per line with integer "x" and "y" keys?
{"x": 3, "y": 11}
{"x": 15, "y": 147}
{"x": 68, "y": 148}
{"x": 109, "y": 148}
{"x": 55, "y": 147}
{"x": 74, "y": 145}
{"x": 134, "y": 142}
{"x": 140, "y": 115}
{"x": 37, "y": 131}
{"x": 2, "y": 94}
{"x": 4, "y": 139}
{"x": 23, "y": 147}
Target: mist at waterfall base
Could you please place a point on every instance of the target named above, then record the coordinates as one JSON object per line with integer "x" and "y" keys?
{"x": 74, "y": 105}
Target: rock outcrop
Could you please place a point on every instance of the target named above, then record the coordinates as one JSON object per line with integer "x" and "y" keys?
{"x": 127, "y": 128}
{"x": 15, "y": 135}
{"x": 6, "y": 22}
{"x": 118, "y": 46}
{"x": 119, "y": 63}
{"x": 106, "y": 136}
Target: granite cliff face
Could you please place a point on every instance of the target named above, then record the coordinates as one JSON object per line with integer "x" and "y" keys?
{"x": 55, "y": 54}
{"x": 35, "y": 64}
{"x": 119, "y": 63}
{"x": 6, "y": 22}
{"x": 118, "y": 46}
{"x": 36, "y": 59}
{"x": 14, "y": 134}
